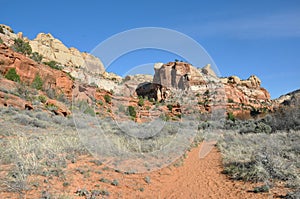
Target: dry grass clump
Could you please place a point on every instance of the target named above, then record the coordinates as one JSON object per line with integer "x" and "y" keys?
{"x": 29, "y": 149}
{"x": 262, "y": 157}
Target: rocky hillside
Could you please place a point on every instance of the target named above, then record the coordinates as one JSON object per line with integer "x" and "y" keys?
{"x": 82, "y": 76}
{"x": 52, "y": 49}
{"x": 289, "y": 99}
{"x": 240, "y": 97}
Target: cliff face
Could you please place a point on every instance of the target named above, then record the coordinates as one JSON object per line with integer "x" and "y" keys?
{"x": 55, "y": 80}
{"x": 28, "y": 69}
{"x": 241, "y": 96}
{"x": 178, "y": 75}
{"x": 53, "y": 49}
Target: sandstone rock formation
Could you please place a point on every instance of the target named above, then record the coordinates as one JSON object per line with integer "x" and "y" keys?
{"x": 8, "y": 99}
{"x": 177, "y": 75}
{"x": 289, "y": 99}
{"x": 238, "y": 96}
{"x": 207, "y": 70}
{"x": 152, "y": 90}
{"x": 252, "y": 82}
{"x": 130, "y": 83}
{"x": 28, "y": 69}
{"x": 53, "y": 49}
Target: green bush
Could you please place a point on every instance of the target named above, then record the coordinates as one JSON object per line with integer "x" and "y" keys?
{"x": 115, "y": 182}
{"x": 22, "y": 47}
{"x": 53, "y": 64}
{"x": 42, "y": 98}
{"x": 131, "y": 111}
{"x": 36, "y": 57}
{"x": 1, "y": 41}
{"x": 1, "y": 30}
{"x": 164, "y": 117}
{"x": 141, "y": 101}
{"x": 107, "y": 98}
{"x": 37, "y": 82}
{"x": 12, "y": 75}
{"x": 230, "y": 100}
{"x": 263, "y": 128}
{"x": 230, "y": 116}
{"x": 170, "y": 107}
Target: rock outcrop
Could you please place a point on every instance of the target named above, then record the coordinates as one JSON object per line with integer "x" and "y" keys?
{"x": 289, "y": 99}
{"x": 28, "y": 69}
{"x": 177, "y": 75}
{"x": 154, "y": 91}
{"x": 207, "y": 70}
{"x": 239, "y": 96}
{"x": 52, "y": 49}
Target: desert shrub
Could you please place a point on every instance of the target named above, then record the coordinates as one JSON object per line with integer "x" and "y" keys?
{"x": 285, "y": 118}
{"x": 229, "y": 100}
{"x": 1, "y": 30}
{"x": 27, "y": 120}
{"x": 40, "y": 152}
{"x": 12, "y": 75}
{"x": 36, "y": 57}
{"x": 104, "y": 180}
{"x": 164, "y": 117}
{"x": 53, "y": 64}
{"x": 141, "y": 101}
{"x": 85, "y": 108}
{"x": 93, "y": 84}
{"x": 37, "y": 82}
{"x": 51, "y": 93}
{"x": 293, "y": 195}
{"x": 43, "y": 116}
{"x": 204, "y": 125}
{"x": 52, "y": 107}
{"x": 147, "y": 179}
{"x": 100, "y": 102}
{"x": 62, "y": 98}
{"x": 115, "y": 182}
{"x": 230, "y": 116}
{"x": 121, "y": 108}
{"x": 1, "y": 41}
{"x": 263, "y": 128}
{"x": 22, "y": 47}
{"x": 247, "y": 126}
{"x": 170, "y": 107}
{"x": 131, "y": 111}
{"x": 107, "y": 98}
{"x": 42, "y": 98}
{"x": 254, "y": 112}
{"x": 262, "y": 157}
{"x": 261, "y": 189}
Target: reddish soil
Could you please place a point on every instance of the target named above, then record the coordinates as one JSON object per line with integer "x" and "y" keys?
{"x": 195, "y": 178}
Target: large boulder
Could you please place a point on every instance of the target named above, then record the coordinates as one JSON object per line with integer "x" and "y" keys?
{"x": 151, "y": 90}
{"x": 234, "y": 80}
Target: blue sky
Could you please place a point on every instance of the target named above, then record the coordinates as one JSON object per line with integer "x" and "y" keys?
{"x": 243, "y": 37}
